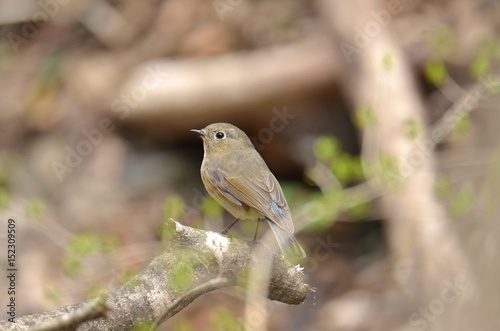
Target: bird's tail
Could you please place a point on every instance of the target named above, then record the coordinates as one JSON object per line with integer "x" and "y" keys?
{"x": 288, "y": 243}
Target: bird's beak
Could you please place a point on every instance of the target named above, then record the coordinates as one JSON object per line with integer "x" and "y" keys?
{"x": 201, "y": 132}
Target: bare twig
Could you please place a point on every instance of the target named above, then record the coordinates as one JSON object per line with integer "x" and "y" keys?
{"x": 90, "y": 311}
{"x": 202, "y": 288}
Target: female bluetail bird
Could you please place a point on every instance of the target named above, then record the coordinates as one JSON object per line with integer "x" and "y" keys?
{"x": 237, "y": 177}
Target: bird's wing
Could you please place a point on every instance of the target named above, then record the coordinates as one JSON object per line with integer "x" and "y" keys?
{"x": 264, "y": 195}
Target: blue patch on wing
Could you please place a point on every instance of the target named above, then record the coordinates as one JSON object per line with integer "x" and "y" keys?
{"x": 276, "y": 210}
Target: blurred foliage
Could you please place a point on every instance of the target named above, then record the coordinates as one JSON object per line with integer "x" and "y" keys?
{"x": 128, "y": 274}
{"x": 385, "y": 168}
{"x": 324, "y": 208}
{"x": 441, "y": 40}
{"x": 462, "y": 201}
{"x": 360, "y": 206}
{"x": 35, "y": 208}
{"x": 463, "y": 125}
{"x": 442, "y": 186}
{"x": 481, "y": 65}
{"x": 248, "y": 227}
{"x": 388, "y": 62}
{"x": 5, "y": 56}
{"x": 211, "y": 208}
{"x": 95, "y": 290}
{"x": 52, "y": 292}
{"x": 10, "y": 166}
{"x": 412, "y": 129}
{"x": 494, "y": 87}
{"x": 365, "y": 117}
{"x": 487, "y": 52}
{"x": 326, "y": 148}
{"x": 458, "y": 201}
{"x": 174, "y": 207}
{"x": 81, "y": 245}
{"x": 109, "y": 243}
{"x": 183, "y": 325}
{"x": 167, "y": 231}
{"x": 71, "y": 265}
{"x": 44, "y": 87}
{"x": 4, "y": 197}
{"x": 223, "y": 319}
{"x": 345, "y": 167}
{"x": 436, "y": 72}
{"x": 143, "y": 326}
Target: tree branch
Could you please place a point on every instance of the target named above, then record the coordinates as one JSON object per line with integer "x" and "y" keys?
{"x": 233, "y": 82}
{"x": 192, "y": 258}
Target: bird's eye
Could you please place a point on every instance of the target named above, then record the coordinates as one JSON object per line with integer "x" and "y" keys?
{"x": 220, "y": 135}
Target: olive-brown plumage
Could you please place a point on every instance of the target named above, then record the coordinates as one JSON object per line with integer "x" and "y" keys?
{"x": 237, "y": 177}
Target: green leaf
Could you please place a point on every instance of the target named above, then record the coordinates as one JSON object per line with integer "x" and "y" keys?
{"x": 248, "y": 227}
{"x": 167, "y": 231}
{"x": 388, "y": 62}
{"x": 412, "y": 129}
{"x": 109, "y": 243}
{"x": 493, "y": 86}
{"x": 342, "y": 168}
{"x": 128, "y": 274}
{"x": 52, "y": 292}
{"x": 442, "y": 187}
{"x": 319, "y": 214}
{"x": 174, "y": 207}
{"x": 325, "y": 210}
{"x": 326, "y": 148}
{"x": 35, "y": 208}
{"x": 436, "y": 72}
{"x": 441, "y": 40}
{"x": 4, "y": 198}
{"x": 83, "y": 244}
{"x": 463, "y": 125}
{"x": 359, "y": 211}
{"x": 224, "y": 319}
{"x": 143, "y": 326}
{"x": 365, "y": 117}
{"x": 357, "y": 168}
{"x": 95, "y": 290}
{"x": 72, "y": 265}
{"x": 481, "y": 66}
{"x": 462, "y": 201}
{"x": 183, "y": 325}
{"x": 211, "y": 208}
{"x": 387, "y": 169}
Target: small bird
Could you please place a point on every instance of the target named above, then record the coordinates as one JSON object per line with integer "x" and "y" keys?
{"x": 237, "y": 177}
